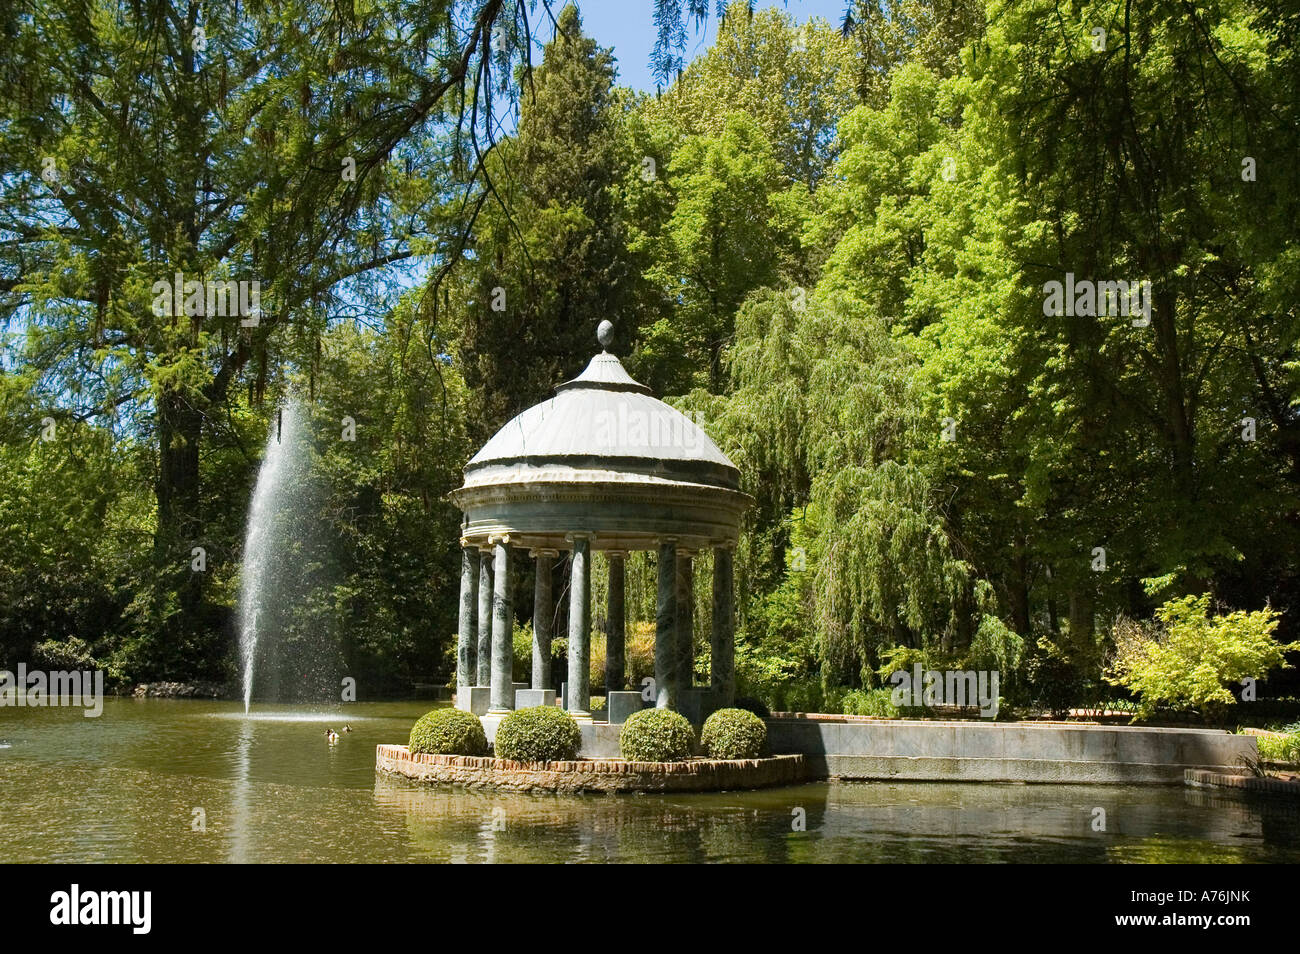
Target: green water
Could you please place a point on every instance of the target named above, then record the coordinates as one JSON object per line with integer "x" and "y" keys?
{"x": 125, "y": 786}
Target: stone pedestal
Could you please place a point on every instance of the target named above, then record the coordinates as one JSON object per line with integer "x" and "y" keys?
{"x": 620, "y": 705}
{"x": 696, "y": 704}
{"x": 475, "y": 699}
{"x": 531, "y": 698}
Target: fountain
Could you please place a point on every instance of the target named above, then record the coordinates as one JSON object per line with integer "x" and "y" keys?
{"x": 277, "y": 487}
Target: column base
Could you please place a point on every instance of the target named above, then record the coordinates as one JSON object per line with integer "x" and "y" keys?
{"x": 531, "y": 698}
{"x": 475, "y": 699}
{"x": 620, "y": 705}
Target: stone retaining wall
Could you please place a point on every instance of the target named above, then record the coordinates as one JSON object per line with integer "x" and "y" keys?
{"x": 923, "y": 750}
{"x": 591, "y": 775}
{"x": 861, "y": 747}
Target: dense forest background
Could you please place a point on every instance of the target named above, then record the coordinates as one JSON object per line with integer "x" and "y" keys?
{"x": 830, "y": 241}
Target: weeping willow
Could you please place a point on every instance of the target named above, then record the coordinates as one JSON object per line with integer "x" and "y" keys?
{"x": 828, "y": 423}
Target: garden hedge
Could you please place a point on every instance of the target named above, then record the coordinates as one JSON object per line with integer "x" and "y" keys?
{"x": 538, "y": 734}
{"x": 656, "y": 735}
{"x": 448, "y": 732}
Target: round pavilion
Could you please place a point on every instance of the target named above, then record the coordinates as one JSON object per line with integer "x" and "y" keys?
{"x": 601, "y": 466}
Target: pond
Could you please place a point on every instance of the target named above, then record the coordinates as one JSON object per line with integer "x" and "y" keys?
{"x": 134, "y": 784}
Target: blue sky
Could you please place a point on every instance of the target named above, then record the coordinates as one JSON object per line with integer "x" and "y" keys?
{"x": 628, "y": 26}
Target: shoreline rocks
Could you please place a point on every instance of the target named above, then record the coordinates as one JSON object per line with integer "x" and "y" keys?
{"x": 181, "y": 690}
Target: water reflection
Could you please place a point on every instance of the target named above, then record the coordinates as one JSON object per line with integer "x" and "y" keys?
{"x": 239, "y": 808}
{"x": 123, "y": 788}
{"x": 457, "y": 825}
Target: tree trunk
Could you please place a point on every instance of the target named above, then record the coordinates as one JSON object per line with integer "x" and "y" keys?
{"x": 180, "y": 525}
{"x": 1019, "y": 589}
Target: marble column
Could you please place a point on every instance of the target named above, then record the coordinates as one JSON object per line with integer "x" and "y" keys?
{"x": 503, "y": 618}
{"x": 466, "y": 646}
{"x": 483, "y": 658}
{"x": 666, "y": 646}
{"x": 616, "y": 631}
{"x": 580, "y": 628}
{"x": 685, "y": 618}
{"x": 543, "y": 618}
{"x": 723, "y": 643}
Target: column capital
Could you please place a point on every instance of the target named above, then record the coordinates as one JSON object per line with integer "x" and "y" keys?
{"x": 579, "y": 535}
{"x": 467, "y": 545}
{"x": 496, "y": 538}
{"x": 686, "y": 552}
{"x": 621, "y": 554}
{"x": 544, "y": 552}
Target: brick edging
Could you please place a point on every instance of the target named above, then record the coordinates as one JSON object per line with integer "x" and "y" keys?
{"x": 1199, "y": 778}
{"x": 591, "y": 775}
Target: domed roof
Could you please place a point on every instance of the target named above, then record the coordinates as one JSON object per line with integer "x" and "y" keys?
{"x": 606, "y": 457}
{"x": 604, "y": 420}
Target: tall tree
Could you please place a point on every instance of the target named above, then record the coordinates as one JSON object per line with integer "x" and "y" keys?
{"x": 549, "y": 258}
{"x": 142, "y": 140}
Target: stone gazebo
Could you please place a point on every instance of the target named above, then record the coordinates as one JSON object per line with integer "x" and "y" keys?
{"x": 602, "y": 465}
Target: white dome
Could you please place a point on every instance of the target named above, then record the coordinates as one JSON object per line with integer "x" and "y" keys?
{"x": 602, "y": 456}
{"x": 603, "y": 421}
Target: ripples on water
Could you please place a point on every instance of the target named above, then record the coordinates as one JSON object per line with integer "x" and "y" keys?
{"x": 124, "y": 787}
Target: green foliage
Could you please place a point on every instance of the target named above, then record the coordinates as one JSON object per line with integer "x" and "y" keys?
{"x": 1052, "y": 682}
{"x": 448, "y": 732}
{"x": 756, "y": 706}
{"x": 876, "y": 703}
{"x": 733, "y": 734}
{"x": 1283, "y": 749}
{"x": 836, "y": 256}
{"x": 656, "y": 735}
{"x": 1189, "y": 658}
{"x": 539, "y": 734}
{"x": 550, "y": 258}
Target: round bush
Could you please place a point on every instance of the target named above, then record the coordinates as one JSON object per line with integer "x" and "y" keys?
{"x": 539, "y": 734}
{"x": 656, "y": 735}
{"x": 733, "y": 734}
{"x": 448, "y": 732}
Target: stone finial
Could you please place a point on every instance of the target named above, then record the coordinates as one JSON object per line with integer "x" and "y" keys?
{"x": 605, "y": 334}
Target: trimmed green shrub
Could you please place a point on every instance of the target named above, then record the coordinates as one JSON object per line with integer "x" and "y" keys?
{"x": 733, "y": 734}
{"x": 756, "y": 706}
{"x": 448, "y": 732}
{"x": 538, "y": 734}
{"x": 656, "y": 735}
